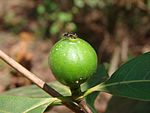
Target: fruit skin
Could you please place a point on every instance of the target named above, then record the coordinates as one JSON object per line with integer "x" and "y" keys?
{"x": 72, "y": 61}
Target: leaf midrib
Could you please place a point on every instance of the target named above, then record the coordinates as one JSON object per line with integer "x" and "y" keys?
{"x": 103, "y": 85}
{"x": 40, "y": 104}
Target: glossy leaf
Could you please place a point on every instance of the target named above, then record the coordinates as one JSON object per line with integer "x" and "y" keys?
{"x": 13, "y": 104}
{"x": 126, "y": 105}
{"x": 130, "y": 80}
{"x": 100, "y": 76}
{"x": 90, "y": 100}
{"x": 34, "y": 91}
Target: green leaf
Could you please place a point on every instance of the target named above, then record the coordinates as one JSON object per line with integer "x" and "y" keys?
{"x": 55, "y": 27}
{"x": 34, "y": 91}
{"x": 13, "y": 104}
{"x": 126, "y": 105}
{"x": 79, "y": 3}
{"x": 130, "y": 80}
{"x": 148, "y": 4}
{"x": 90, "y": 99}
{"x": 41, "y": 9}
{"x": 100, "y": 76}
{"x": 65, "y": 17}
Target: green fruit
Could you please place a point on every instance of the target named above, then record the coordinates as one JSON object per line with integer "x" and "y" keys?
{"x": 72, "y": 61}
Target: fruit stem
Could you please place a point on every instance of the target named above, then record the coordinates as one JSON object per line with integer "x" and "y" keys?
{"x": 76, "y": 92}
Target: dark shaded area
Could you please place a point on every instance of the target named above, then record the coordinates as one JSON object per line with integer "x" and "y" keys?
{"x": 125, "y": 105}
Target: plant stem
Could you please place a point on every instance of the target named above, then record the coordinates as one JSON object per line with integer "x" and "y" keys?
{"x": 76, "y": 92}
{"x": 40, "y": 83}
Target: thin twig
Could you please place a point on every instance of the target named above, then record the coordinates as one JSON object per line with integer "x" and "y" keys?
{"x": 114, "y": 61}
{"x": 40, "y": 83}
{"x": 124, "y": 49}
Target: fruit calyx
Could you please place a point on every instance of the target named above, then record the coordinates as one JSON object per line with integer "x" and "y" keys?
{"x": 70, "y": 35}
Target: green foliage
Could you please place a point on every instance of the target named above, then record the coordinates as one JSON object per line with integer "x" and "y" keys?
{"x": 49, "y": 17}
{"x": 148, "y": 4}
{"x": 100, "y": 76}
{"x": 126, "y": 105}
{"x": 2, "y": 65}
{"x": 55, "y": 18}
{"x": 35, "y": 92}
{"x": 12, "y": 104}
{"x": 61, "y": 20}
{"x": 130, "y": 80}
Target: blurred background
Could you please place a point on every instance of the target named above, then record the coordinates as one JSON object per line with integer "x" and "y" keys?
{"x": 118, "y": 30}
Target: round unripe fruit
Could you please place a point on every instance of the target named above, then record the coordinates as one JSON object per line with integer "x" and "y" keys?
{"x": 72, "y": 61}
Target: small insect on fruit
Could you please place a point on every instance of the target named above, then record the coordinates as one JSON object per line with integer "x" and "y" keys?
{"x": 72, "y": 60}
